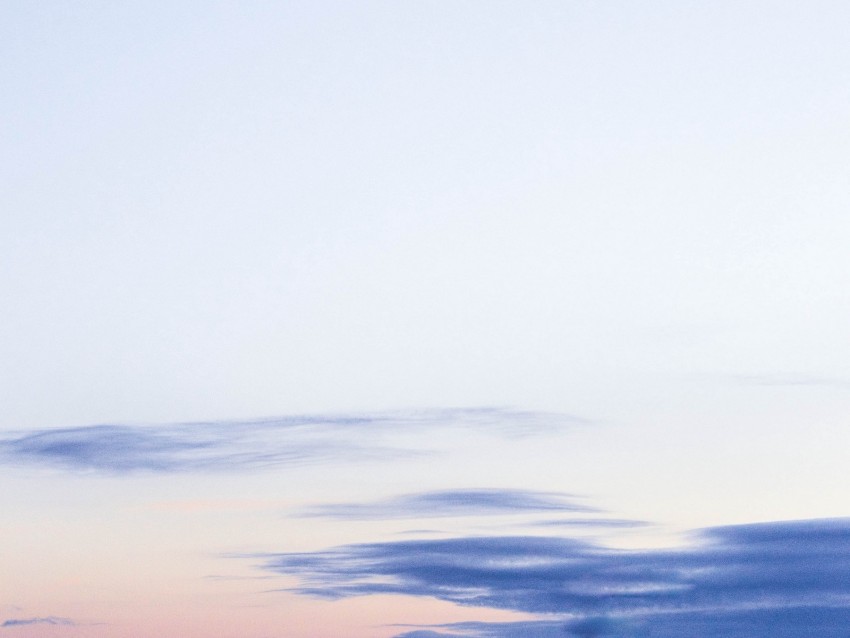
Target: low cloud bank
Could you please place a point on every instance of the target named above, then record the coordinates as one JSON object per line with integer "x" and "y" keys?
{"x": 770, "y": 579}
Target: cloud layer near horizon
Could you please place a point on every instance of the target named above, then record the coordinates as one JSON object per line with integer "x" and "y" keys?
{"x": 822, "y": 621}
{"x": 745, "y": 580}
{"x": 241, "y": 445}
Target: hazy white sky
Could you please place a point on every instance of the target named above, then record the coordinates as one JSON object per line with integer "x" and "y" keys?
{"x": 238, "y": 209}
{"x": 633, "y": 214}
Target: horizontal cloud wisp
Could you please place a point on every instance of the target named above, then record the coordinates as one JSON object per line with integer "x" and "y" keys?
{"x": 240, "y": 445}
{"x": 468, "y": 502}
{"x": 46, "y": 620}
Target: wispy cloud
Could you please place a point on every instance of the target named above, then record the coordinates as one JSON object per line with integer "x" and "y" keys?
{"x": 240, "y": 445}
{"x": 600, "y": 523}
{"x": 788, "y": 379}
{"x": 46, "y": 620}
{"x": 468, "y": 502}
{"x": 595, "y": 523}
{"x": 731, "y": 581}
{"x": 171, "y": 448}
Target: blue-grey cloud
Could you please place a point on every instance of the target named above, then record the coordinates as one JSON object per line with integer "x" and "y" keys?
{"x": 468, "y": 502}
{"x": 46, "y": 620}
{"x": 520, "y": 629}
{"x": 228, "y": 445}
{"x": 172, "y": 448}
{"x": 774, "y": 622}
{"x": 747, "y": 580}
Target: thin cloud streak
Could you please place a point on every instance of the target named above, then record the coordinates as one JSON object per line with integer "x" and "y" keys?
{"x": 468, "y": 502}
{"x": 738, "y": 578}
{"x": 46, "y": 620}
{"x": 247, "y": 445}
{"x": 788, "y": 379}
{"x": 601, "y": 523}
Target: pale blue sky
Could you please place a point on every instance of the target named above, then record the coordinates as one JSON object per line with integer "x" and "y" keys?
{"x": 221, "y": 209}
{"x": 626, "y": 221}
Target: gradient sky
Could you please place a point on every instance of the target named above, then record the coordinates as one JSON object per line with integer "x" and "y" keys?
{"x": 424, "y": 319}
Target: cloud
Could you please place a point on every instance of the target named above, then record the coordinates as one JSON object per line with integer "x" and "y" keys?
{"x": 240, "y": 445}
{"x": 120, "y": 449}
{"x": 788, "y": 622}
{"x": 521, "y": 629}
{"x": 468, "y": 502}
{"x": 47, "y": 620}
{"x": 747, "y": 580}
{"x": 601, "y": 523}
{"x": 788, "y": 379}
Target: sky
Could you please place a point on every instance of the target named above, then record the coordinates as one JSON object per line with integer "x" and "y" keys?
{"x": 424, "y": 319}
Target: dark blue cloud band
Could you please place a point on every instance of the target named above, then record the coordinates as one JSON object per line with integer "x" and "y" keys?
{"x": 747, "y": 580}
